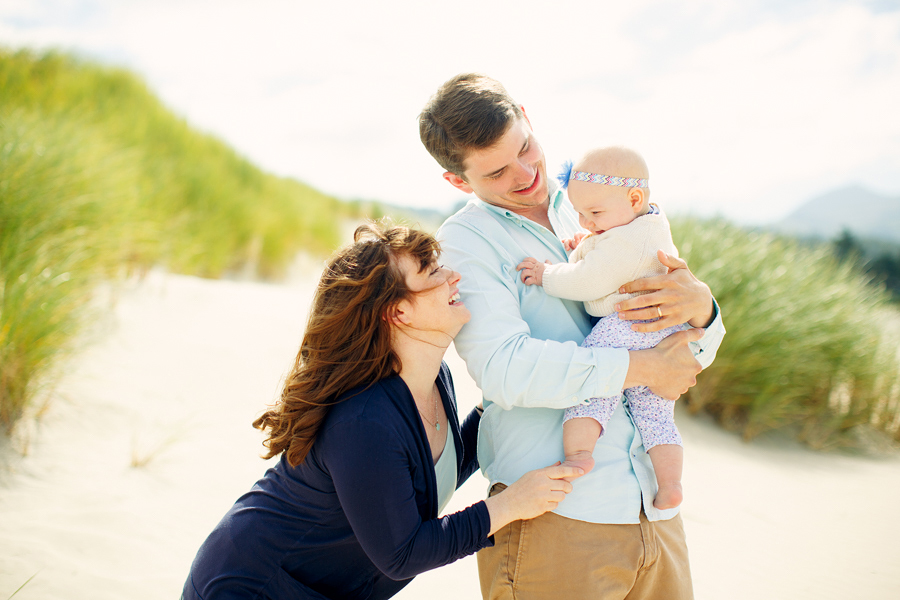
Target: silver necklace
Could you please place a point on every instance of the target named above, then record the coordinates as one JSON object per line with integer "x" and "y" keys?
{"x": 437, "y": 421}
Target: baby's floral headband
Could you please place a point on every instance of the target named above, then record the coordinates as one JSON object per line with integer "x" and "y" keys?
{"x": 567, "y": 175}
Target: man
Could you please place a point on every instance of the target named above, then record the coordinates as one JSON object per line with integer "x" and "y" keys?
{"x": 605, "y": 540}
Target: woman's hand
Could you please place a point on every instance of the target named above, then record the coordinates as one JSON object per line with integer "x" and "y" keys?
{"x": 532, "y": 495}
{"x": 675, "y": 298}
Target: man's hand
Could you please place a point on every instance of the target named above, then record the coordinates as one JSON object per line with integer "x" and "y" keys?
{"x": 669, "y": 369}
{"x": 532, "y": 271}
{"x": 675, "y": 298}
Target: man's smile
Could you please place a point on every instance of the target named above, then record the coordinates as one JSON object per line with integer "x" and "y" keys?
{"x": 533, "y": 186}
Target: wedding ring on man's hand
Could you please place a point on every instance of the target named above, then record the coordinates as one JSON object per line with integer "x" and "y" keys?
{"x": 659, "y": 311}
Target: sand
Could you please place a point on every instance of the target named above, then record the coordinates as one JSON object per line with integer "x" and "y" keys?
{"x": 147, "y": 442}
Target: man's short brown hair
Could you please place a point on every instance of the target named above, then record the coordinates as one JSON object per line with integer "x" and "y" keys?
{"x": 469, "y": 112}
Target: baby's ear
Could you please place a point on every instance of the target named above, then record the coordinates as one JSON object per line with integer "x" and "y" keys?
{"x": 638, "y": 198}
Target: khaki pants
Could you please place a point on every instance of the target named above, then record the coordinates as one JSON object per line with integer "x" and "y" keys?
{"x": 555, "y": 557}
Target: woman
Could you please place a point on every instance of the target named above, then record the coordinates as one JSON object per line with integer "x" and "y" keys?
{"x": 371, "y": 446}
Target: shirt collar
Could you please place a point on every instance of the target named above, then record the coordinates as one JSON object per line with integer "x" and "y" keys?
{"x": 556, "y": 197}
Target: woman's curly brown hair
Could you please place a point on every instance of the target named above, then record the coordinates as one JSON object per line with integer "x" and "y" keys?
{"x": 347, "y": 342}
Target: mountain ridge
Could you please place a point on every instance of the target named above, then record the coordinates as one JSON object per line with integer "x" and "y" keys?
{"x": 864, "y": 213}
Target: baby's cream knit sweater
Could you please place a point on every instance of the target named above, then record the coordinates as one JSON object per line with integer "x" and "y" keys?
{"x": 603, "y": 263}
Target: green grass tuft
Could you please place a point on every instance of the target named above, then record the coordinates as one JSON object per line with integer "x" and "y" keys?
{"x": 812, "y": 346}
{"x": 98, "y": 178}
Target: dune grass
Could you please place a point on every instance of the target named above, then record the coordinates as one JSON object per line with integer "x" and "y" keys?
{"x": 59, "y": 238}
{"x": 21, "y": 587}
{"x": 98, "y": 178}
{"x": 812, "y": 345}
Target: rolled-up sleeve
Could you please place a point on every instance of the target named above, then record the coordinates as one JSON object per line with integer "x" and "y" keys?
{"x": 706, "y": 347}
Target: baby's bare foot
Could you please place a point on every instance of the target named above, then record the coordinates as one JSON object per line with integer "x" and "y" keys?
{"x": 582, "y": 459}
{"x": 668, "y": 496}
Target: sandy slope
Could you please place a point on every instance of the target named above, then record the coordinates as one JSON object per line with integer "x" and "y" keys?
{"x": 185, "y": 364}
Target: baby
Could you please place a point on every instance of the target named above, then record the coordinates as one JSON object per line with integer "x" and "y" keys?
{"x": 609, "y": 191}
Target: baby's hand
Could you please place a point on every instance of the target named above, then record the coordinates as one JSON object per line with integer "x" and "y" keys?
{"x": 570, "y": 244}
{"x": 532, "y": 271}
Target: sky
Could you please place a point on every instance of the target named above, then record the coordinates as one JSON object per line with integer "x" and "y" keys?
{"x": 744, "y": 109}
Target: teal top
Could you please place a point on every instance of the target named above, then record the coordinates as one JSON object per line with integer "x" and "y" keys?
{"x": 522, "y": 348}
{"x": 445, "y": 474}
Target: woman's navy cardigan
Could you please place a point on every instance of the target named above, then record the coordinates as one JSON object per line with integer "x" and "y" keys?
{"x": 356, "y": 519}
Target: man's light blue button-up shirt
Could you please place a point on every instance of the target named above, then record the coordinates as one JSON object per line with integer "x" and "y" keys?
{"x": 522, "y": 348}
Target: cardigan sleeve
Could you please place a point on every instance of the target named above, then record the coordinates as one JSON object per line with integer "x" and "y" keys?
{"x": 373, "y": 481}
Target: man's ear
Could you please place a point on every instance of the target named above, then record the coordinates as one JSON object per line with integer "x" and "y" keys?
{"x": 458, "y": 182}
{"x": 637, "y": 197}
